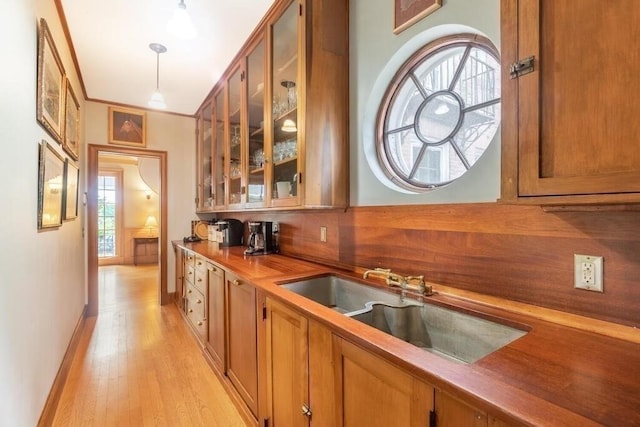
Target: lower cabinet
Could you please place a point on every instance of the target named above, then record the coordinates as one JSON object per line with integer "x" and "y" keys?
{"x": 216, "y": 317}
{"x": 242, "y": 339}
{"x": 287, "y": 350}
{"x": 196, "y": 311}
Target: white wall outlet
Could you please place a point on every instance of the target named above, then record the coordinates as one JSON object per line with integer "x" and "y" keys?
{"x": 588, "y": 272}
{"x": 323, "y": 233}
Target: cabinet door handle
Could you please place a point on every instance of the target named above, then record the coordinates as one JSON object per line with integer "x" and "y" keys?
{"x": 190, "y": 273}
{"x": 236, "y": 282}
{"x": 198, "y": 301}
{"x": 199, "y": 279}
{"x": 199, "y": 323}
{"x": 213, "y": 269}
{"x": 189, "y": 291}
{"x": 199, "y": 262}
{"x": 190, "y": 310}
{"x": 306, "y": 410}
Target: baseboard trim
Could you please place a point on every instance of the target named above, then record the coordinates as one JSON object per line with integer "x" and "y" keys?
{"x": 51, "y": 405}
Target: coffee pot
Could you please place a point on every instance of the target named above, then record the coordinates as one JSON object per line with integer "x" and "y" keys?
{"x": 261, "y": 239}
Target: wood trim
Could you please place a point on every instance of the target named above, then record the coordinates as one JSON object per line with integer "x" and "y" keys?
{"x": 93, "y": 151}
{"x": 51, "y": 405}
{"x": 72, "y": 50}
{"x": 138, "y": 107}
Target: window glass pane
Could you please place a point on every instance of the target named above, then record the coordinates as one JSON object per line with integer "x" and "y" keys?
{"x": 405, "y": 106}
{"x": 436, "y": 72}
{"x": 107, "y": 186}
{"x": 479, "y": 80}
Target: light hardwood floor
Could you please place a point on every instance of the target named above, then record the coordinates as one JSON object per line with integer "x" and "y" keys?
{"x": 138, "y": 365}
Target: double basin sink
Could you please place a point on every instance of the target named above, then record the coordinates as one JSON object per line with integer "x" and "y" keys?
{"x": 449, "y": 333}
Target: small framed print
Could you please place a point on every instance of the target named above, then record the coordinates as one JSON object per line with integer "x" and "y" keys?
{"x": 71, "y": 142}
{"x": 50, "y": 92}
{"x": 50, "y": 187}
{"x": 70, "y": 201}
{"x": 127, "y": 127}
{"x": 408, "y": 12}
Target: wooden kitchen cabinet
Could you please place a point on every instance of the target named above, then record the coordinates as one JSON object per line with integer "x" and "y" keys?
{"x": 286, "y": 126}
{"x": 287, "y": 366}
{"x": 570, "y": 128}
{"x": 242, "y": 362}
{"x": 180, "y": 269}
{"x": 216, "y": 316}
{"x": 373, "y": 392}
{"x": 451, "y": 412}
{"x": 204, "y": 158}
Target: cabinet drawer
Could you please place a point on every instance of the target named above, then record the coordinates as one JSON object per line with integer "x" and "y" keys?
{"x": 189, "y": 259}
{"x": 196, "y": 311}
{"x": 200, "y": 280}
{"x": 200, "y": 263}
{"x": 190, "y": 274}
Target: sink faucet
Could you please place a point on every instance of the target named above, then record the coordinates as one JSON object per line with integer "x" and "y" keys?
{"x": 414, "y": 283}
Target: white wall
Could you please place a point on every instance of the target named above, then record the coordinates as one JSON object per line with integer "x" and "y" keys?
{"x": 175, "y": 135}
{"x": 41, "y": 273}
{"x": 376, "y": 54}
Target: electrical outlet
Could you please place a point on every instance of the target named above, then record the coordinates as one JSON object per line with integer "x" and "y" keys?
{"x": 588, "y": 272}
{"x": 323, "y": 233}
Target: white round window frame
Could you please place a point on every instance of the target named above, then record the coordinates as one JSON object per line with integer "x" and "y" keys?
{"x": 369, "y": 141}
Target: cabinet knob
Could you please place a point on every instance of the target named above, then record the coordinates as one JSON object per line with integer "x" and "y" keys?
{"x": 190, "y": 310}
{"x": 198, "y": 301}
{"x": 236, "y": 282}
{"x": 190, "y": 273}
{"x": 213, "y": 269}
{"x": 189, "y": 291}
{"x": 199, "y": 262}
{"x": 199, "y": 323}
{"x": 199, "y": 279}
{"x": 306, "y": 410}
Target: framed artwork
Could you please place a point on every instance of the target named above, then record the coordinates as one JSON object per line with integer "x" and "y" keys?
{"x": 408, "y": 12}
{"x": 127, "y": 127}
{"x": 70, "y": 201}
{"x": 50, "y": 187}
{"x": 50, "y": 93}
{"x": 71, "y": 143}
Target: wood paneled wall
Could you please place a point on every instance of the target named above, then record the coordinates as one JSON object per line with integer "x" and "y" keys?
{"x": 517, "y": 252}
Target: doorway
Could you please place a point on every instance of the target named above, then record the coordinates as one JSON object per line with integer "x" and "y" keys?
{"x": 93, "y": 168}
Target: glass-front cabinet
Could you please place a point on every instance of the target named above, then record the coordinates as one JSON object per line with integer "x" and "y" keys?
{"x": 284, "y": 111}
{"x": 219, "y": 150}
{"x": 204, "y": 200}
{"x": 280, "y": 114}
{"x": 256, "y": 193}
{"x": 236, "y": 187}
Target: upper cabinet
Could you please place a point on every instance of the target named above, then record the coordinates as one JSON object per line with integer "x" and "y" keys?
{"x": 204, "y": 150}
{"x": 286, "y": 122}
{"x": 569, "y": 132}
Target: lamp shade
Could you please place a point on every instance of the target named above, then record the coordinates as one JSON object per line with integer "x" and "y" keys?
{"x": 151, "y": 222}
{"x": 180, "y": 24}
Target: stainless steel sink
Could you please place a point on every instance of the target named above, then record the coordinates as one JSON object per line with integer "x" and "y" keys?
{"x": 449, "y": 333}
{"x": 340, "y": 294}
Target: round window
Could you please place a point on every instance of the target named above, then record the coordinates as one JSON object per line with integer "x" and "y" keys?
{"x": 440, "y": 112}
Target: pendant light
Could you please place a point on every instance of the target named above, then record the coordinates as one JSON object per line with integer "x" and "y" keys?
{"x": 157, "y": 100}
{"x": 180, "y": 23}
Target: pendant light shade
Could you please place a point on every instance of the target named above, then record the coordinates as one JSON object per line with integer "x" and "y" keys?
{"x": 180, "y": 24}
{"x": 157, "y": 100}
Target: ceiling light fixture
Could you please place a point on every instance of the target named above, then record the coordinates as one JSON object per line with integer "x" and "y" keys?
{"x": 180, "y": 24}
{"x": 157, "y": 100}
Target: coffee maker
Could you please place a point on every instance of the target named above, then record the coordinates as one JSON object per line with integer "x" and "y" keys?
{"x": 261, "y": 239}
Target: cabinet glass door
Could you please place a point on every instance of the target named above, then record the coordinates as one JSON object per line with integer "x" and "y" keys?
{"x": 219, "y": 190}
{"x": 205, "y": 194}
{"x": 235, "y": 139}
{"x": 256, "y": 191}
{"x": 284, "y": 90}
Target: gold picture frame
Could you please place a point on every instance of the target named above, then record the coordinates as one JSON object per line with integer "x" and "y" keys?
{"x": 408, "y": 12}
{"x": 71, "y": 143}
{"x": 50, "y": 187}
{"x": 51, "y": 78}
{"x": 70, "y": 201}
{"x": 127, "y": 126}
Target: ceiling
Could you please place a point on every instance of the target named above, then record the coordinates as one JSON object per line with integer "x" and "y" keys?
{"x": 111, "y": 41}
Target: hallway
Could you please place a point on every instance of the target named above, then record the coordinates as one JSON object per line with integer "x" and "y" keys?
{"x": 137, "y": 363}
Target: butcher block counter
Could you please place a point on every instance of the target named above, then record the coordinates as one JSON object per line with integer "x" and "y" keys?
{"x": 560, "y": 373}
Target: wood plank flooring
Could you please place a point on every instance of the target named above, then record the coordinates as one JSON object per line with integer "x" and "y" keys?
{"x": 137, "y": 364}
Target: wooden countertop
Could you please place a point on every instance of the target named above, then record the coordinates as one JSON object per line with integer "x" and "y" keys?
{"x": 555, "y": 375}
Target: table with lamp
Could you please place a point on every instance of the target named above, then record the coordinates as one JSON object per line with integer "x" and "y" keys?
{"x": 151, "y": 223}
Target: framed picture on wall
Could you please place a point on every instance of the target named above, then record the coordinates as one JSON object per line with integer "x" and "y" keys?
{"x": 70, "y": 201}
{"x": 50, "y": 187}
{"x": 50, "y": 92}
{"x": 408, "y": 12}
{"x": 71, "y": 143}
{"x": 127, "y": 127}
